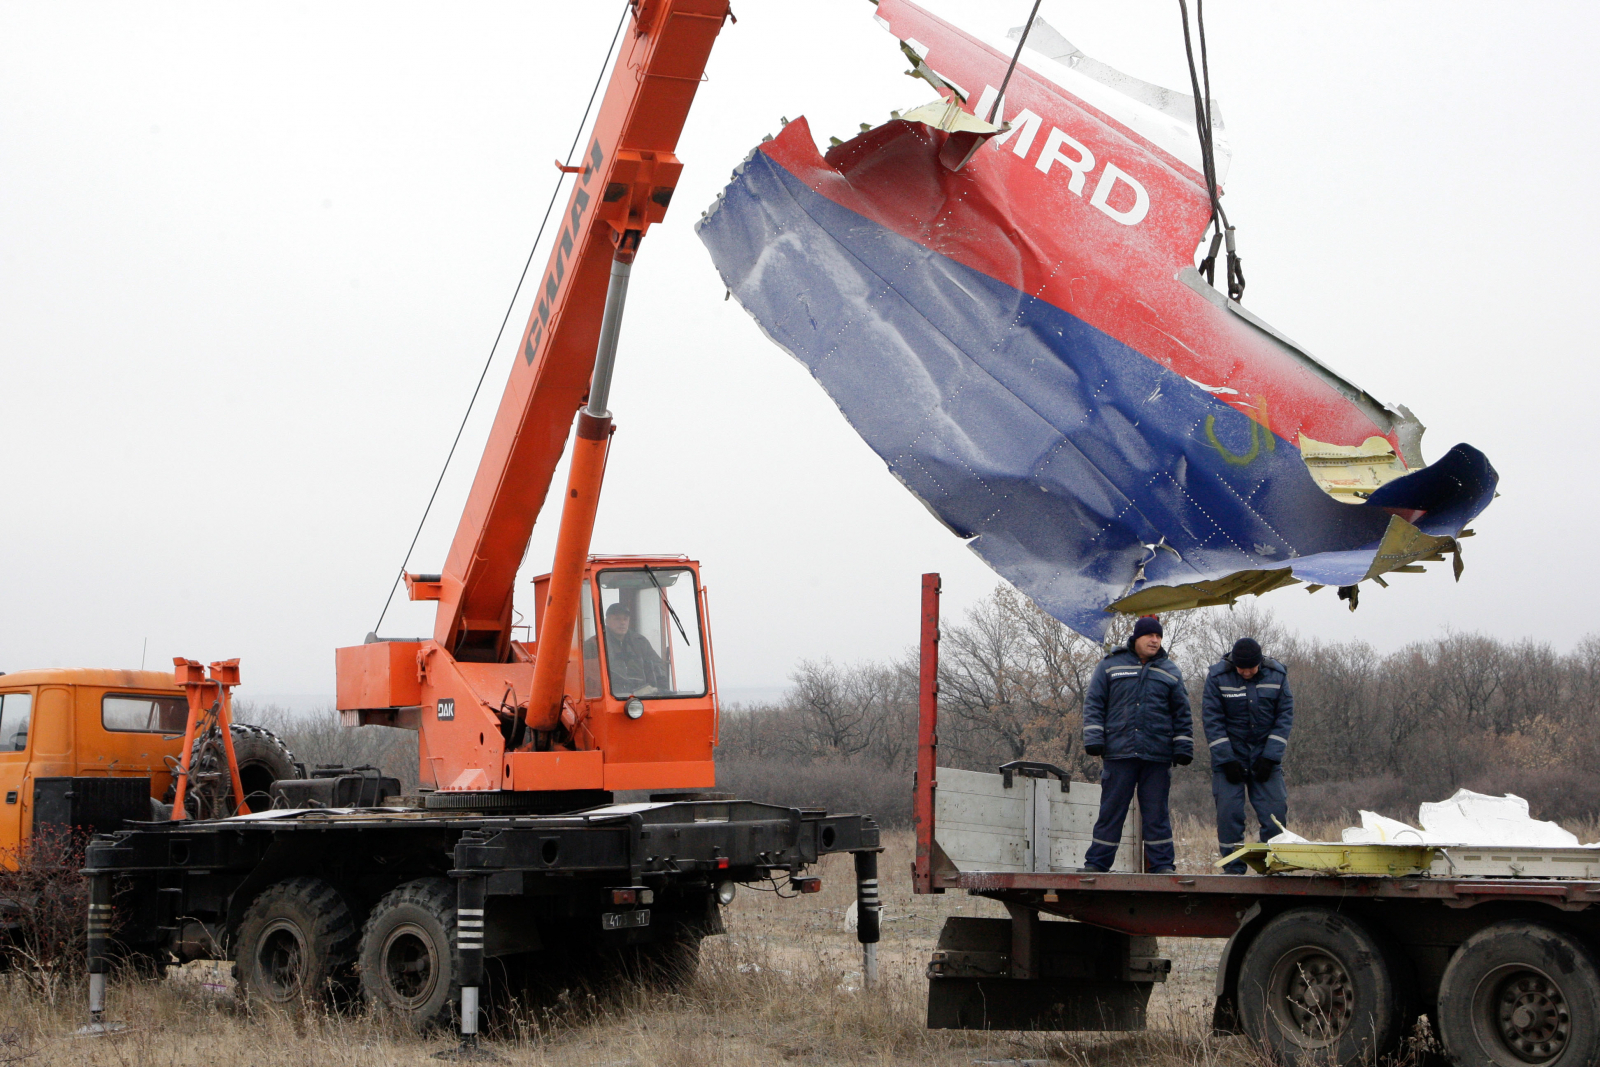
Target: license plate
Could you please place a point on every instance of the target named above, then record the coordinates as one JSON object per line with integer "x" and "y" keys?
{"x": 622, "y": 920}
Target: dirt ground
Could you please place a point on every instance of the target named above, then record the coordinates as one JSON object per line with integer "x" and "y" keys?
{"x": 783, "y": 986}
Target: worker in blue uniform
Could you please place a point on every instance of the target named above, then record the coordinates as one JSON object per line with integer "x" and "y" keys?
{"x": 1136, "y": 718}
{"x": 1247, "y": 711}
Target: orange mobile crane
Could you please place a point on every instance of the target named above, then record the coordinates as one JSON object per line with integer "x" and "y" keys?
{"x": 511, "y": 851}
{"x": 496, "y": 714}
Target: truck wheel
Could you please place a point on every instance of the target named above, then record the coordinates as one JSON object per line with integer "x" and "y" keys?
{"x": 263, "y": 758}
{"x": 1519, "y": 993}
{"x": 1316, "y": 987}
{"x": 408, "y": 953}
{"x": 296, "y": 944}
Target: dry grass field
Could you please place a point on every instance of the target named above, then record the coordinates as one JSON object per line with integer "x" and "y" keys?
{"x": 782, "y": 987}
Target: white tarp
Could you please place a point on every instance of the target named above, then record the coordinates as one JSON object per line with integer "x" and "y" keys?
{"x": 1467, "y": 818}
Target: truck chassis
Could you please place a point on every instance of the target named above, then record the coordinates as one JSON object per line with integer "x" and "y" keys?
{"x": 409, "y": 903}
{"x": 1316, "y": 966}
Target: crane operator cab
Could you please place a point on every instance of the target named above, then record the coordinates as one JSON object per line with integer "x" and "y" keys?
{"x": 650, "y": 634}
{"x": 637, "y": 709}
{"x": 640, "y": 681}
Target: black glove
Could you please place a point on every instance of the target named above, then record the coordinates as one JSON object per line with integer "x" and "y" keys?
{"x": 1094, "y": 750}
{"x": 1233, "y": 771}
{"x": 1182, "y": 761}
{"x": 1263, "y": 768}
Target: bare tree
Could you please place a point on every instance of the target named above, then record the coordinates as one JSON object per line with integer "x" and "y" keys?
{"x": 1210, "y": 633}
{"x": 757, "y": 731}
{"x": 1014, "y": 678}
{"x": 1337, "y": 714}
{"x": 889, "y": 691}
{"x": 1471, "y": 669}
{"x": 1531, "y": 685}
{"x": 836, "y": 721}
{"x": 988, "y": 680}
{"x": 1384, "y": 730}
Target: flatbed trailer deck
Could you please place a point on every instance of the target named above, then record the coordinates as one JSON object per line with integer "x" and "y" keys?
{"x": 1320, "y": 968}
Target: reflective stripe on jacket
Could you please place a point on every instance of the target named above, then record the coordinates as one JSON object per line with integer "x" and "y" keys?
{"x": 1138, "y": 710}
{"x": 1247, "y": 718}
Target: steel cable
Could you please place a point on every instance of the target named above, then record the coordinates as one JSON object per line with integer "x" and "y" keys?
{"x": 995, "y": 107}
{"x": 1222, "y": 229}
{"x": 500, "y": 334}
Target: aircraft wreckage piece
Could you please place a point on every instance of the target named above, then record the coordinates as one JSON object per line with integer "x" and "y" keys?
{"x": 1019, "y": 332}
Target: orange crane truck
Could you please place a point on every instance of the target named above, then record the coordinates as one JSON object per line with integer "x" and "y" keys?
{"x": 511, "y": 851}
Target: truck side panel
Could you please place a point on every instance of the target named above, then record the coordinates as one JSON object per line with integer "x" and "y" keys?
{"x": 14, "y": 789}
{"x": 100, "y": 751}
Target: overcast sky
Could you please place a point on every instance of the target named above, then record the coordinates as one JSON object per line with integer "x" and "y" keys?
{"x": 252, "y": 258}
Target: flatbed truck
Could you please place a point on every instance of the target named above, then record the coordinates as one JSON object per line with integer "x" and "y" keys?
{"x": 1319, "y": 968}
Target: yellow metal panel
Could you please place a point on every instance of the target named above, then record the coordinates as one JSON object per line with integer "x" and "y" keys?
{"x": 1372, "y": 860}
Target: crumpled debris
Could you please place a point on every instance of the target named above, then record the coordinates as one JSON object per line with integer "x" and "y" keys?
{"x": 1467, "y": 818}
{"x": 1027, "y": 345}
{"x": 1289, "y": 837}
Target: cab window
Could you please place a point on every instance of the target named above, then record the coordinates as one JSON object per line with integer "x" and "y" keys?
{"x": 591, "y": 646}
{"x": 15, "y": 710}
{"x": 127, "y": 713}
{"x": 651, "y": 621}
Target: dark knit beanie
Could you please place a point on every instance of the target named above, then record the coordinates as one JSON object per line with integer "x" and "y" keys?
{"x": 1147, "y": 624}
{"x": 1246, "y": 653}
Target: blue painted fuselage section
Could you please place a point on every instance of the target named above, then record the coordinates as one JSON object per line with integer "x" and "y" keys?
{"x": 1062, "y": 452}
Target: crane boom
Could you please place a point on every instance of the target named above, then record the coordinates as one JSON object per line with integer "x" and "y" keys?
{"x": 626, "y": 182}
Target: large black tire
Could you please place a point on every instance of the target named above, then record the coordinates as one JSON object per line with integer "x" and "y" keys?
{"x": 1316, "y": 987}
{"x": 1520, "y": 993}
{"x": 263, "y": 758}
{"x": 408, "y": 963}
{"x": 296, "y": 945}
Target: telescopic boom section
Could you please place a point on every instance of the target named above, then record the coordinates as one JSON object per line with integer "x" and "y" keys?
{"x": 626, "y": 182}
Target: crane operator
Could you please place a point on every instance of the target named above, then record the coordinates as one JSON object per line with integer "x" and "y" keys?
{"x": 632, "y": 662}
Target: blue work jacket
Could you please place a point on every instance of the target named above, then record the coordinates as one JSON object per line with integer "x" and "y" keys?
{"x": 1247, "y": 718}
{"x": 1138, "y": 710}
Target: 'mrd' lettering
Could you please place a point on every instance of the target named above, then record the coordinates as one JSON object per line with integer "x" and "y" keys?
{"x": 1128, "y": 204}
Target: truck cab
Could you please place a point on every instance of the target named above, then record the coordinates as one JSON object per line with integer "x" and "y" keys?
{"x": 80, "y": 723}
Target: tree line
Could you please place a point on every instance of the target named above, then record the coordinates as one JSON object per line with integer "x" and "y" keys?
{"x": 1383, "y": 730}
